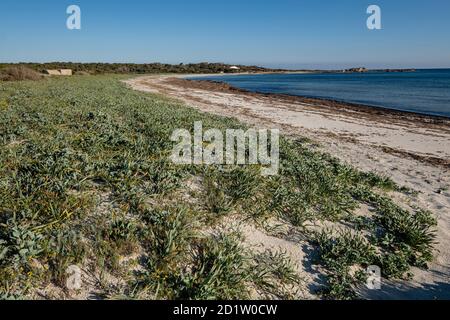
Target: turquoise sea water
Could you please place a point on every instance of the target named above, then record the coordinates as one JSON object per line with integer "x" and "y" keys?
{"x": 423, "y": 91}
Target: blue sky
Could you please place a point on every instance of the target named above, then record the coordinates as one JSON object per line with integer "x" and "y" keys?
{"x": 285, "y": 33}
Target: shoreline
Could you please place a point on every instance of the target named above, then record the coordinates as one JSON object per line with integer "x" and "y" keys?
{"x": 336, "y": 107}
{"x": 343, "y": 104}
{"x": 425, "y": 116}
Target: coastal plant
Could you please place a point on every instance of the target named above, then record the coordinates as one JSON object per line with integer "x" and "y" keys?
{"x": 63, "y": 249}
{"x": 211, "y": 268}
{"x": 338, "y": 253}
{"x": 219, "y": 270}
{"x": 241, "y": 183}
{"x": 121, "y": 229}
{"x": 162, "y": 177}
{"x": 19, "y": 244}
{"x": 401, "y": 231}
{"x": 274, "y": 276}
{"x": 215, "y": 198}
{"x": 167, "y": 233}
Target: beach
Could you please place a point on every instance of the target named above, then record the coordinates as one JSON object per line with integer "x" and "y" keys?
{"x": 411, "y": 149}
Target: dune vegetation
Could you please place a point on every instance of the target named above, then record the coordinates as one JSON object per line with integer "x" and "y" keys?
{"x": 86, "y": 180}
{"x": 18, "y": 73}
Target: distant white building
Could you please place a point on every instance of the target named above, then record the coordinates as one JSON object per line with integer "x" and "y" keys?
{"x": 235, "y": 68}
{"x": 60, "y": 72}
{"x": 66, "y": 72}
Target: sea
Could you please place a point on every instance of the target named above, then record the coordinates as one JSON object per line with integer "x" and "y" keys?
{"x": 421, "y": 91}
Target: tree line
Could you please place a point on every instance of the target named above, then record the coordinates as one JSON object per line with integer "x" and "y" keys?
{"x": 124, "y": 68}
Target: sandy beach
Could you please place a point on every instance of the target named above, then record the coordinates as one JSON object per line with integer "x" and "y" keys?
{"x": 412, "y": 149}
